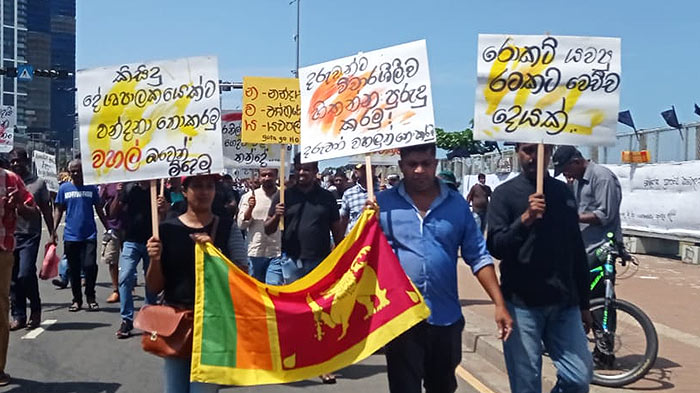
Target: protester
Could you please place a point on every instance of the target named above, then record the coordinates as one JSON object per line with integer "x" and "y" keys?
{"x": 544, "y": 277}
{"x": 598, "y": 195}
{"x": 252, "y": 214}
{"x": 112, "y": 237}
{"x": 175, "y": 191}
{"x": 478, "y": 197}
{"x": 63, "y": 277}
{"x": 172, "y": 264}
{"x": 310, "y": 215}
{"x": 340, "y": 184}
{"x": 133, "y": 199}
{"x": 15, "y": 201}
{"x": 448, "y": 177}
{"x": 80, "y": 233}
{"x": 427, "y": 223}
{"x": 392, "y": 180}
{"x": 354, "y": 198}
{"x": 25, "y": 285}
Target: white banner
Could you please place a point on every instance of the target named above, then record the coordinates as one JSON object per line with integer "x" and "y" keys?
{"x": 367, "y": 102}
{"x": 553, "y": 89}
{"x": 659, "y": 199}
{"x": 8, "y": 123}
{"x": 245, "y": 155}
{"x": 148, "y": 121}
{"x": 46, "y": 169}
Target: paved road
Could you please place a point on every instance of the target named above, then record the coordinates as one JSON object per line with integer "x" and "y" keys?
{"x": 78, "y": 352}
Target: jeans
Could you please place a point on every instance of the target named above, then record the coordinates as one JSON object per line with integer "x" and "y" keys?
{"x": 285, "y": 270}
{"x": 480, "y": 219}
{"x": 561, "y": 330}
{"x": 25, "y": 285}
{"x": 258, "y": 267}
{"x": 176, "y": 375}
{"x": 131, "y": 254}
{"x": 82, "y": 256}
{"x": 425, "y": 353}
{"x": 6, "y": 262}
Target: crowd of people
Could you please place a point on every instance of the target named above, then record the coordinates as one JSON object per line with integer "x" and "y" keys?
{"x": 545, "y": 242}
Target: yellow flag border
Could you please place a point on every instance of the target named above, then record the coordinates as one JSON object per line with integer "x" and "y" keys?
{"x": 248, "y": 377}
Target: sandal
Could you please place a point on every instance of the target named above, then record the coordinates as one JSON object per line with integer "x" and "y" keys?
{"x": 93, "y": 306}
{"x": 75, "y": 307}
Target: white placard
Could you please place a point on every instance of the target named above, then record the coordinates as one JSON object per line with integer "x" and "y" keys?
{"x": 46, "y": 169}
{"x": 367, "y": 102}
{"x": 8, "y": 123}
{"x": 151, "y": 120}
{"x": 553, "y": 89}
{"x": 245, "y": 155}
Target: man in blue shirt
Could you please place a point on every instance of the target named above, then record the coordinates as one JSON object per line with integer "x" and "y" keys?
{"x": 80, "y": 234}
{"x": 426, "y": 223}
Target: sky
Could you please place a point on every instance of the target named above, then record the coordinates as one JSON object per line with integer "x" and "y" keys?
{"x": 660, "y": 41}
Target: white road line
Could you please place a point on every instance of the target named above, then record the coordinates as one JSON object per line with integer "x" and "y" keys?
{"x": 472, "y": 380}
{"x": 36, "y": 332}
{"x": 648, "y": 277}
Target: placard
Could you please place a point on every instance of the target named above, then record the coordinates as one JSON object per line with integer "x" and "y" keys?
{"x": 245, "y": 155}
{"x": 8, "y": 123}
{"x": 553, "y": 89}
{"x": 367, "y": 102}
{"x": 271, "y": 110}
{"x": 150, "y": 120}
{"x": 46, "y": 169}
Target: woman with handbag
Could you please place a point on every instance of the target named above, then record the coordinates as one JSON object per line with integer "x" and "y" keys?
{"x": 172, "y": 270}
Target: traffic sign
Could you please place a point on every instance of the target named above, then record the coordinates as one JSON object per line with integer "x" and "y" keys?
{"x": 25, "y": 72}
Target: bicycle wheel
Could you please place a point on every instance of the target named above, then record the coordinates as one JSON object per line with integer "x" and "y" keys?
{"x": 634, "y": 344}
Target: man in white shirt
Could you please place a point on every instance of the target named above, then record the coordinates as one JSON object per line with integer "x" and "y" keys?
{"x": 252, "y": 213}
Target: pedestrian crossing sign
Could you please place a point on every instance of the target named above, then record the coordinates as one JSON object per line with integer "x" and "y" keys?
{"x": 25, "y": 72}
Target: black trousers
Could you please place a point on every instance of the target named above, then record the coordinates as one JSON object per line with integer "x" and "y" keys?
{"x": 25, "y": 285}
{"x": 82, "y": 256}
{"x": 428, "y": 354}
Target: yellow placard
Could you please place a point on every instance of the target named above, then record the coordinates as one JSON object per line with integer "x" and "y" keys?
{"x": 271, "y": 110}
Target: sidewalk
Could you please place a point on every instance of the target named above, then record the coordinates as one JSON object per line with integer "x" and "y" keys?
{"x": 667, "y": 290}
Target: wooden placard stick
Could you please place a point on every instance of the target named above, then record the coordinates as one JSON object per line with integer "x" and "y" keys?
{"x": 283, "y": 177}
{"x": 370, "y": 176}
{"x": 154, "y": 208}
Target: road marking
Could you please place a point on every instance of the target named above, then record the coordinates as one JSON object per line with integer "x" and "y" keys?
{"x": 471, "y": 379}
{"x": 648, "y": 277}
{"x": 675, "y": 334}
{"x": 36, "y": 332}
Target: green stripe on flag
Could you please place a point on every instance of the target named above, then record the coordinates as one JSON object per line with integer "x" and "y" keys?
{"x": 219, "y": 325}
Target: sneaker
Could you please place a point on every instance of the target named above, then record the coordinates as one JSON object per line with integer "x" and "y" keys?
{"x": 60, "y": 284}
{"x": 17, "y": 324}
{"x": 34, "y": 320}
{"x": 124, "y": 330}
{"x": 4, "y": 379}
{"x": 603, "y": 361}
{"x": 113, "y": 298}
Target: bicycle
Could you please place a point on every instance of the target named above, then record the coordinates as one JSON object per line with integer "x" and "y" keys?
{"x": 623, "y": 338}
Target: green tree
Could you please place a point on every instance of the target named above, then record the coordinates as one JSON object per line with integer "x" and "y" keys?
{"x": 461, "y": 142}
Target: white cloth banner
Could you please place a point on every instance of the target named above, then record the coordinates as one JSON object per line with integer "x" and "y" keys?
{"x": 658, "y": 199}
{"x": 553, "y": 89}
{"x": 368, "y": 102}
{"x": 8, "y": 123}
{"x": 149, "y": 121}
{"x": 46, "y": 169}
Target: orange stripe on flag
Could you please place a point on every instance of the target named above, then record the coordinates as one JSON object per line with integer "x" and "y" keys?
{"x": 253, "y": 350}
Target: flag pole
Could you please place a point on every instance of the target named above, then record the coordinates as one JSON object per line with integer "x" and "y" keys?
{"x": 283, "y": 158}
{"x": 540, "y": 168}
{"x": 370, "y": 176}
{"x": 154, "y": 208}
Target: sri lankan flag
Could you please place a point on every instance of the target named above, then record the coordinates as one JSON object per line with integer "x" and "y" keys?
{"x": 248, "y": 333}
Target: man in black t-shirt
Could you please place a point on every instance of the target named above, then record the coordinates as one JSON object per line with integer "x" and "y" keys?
{"x": 135, "y": 200}
{"x": 310, "y": 215}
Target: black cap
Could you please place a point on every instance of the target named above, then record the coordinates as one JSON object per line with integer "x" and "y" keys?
{"x": 562, "y": 156}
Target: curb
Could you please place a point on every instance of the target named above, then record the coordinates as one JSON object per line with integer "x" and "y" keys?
{"x": 479, "y": 337}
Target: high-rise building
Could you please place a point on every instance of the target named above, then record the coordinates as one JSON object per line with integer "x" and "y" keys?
{"x": 40, "y": 33}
